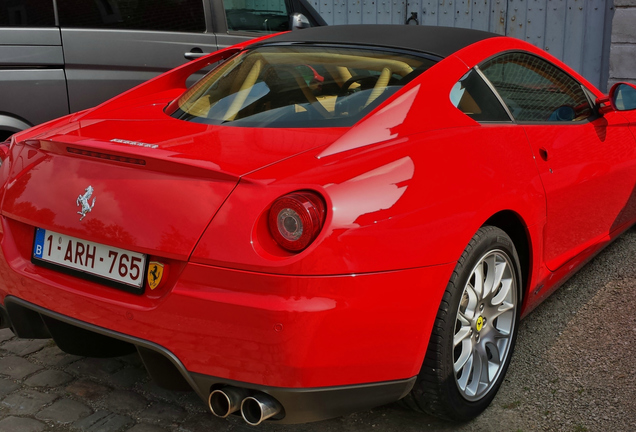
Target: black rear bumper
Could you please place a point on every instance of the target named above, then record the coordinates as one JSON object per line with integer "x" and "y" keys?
{"x": 300, "y": 405}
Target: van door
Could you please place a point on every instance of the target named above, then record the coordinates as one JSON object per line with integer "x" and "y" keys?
{"x": 32, "y": 81}
{"x": 113, "y": 45}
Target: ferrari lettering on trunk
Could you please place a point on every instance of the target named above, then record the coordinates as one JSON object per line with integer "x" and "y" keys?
{"x": 95, "y": 259}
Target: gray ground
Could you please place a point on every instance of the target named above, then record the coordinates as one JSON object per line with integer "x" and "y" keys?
{"x": 573, "y": 370}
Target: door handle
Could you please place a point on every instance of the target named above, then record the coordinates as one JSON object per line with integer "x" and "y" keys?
{"x": 543, "y": 153}
{"x": 194, "y": 54}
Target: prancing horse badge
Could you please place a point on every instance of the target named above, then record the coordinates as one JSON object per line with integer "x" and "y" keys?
{"x": 82, "y": 201}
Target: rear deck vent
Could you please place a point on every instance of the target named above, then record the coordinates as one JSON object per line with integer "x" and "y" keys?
{"x": 106, "y": 156}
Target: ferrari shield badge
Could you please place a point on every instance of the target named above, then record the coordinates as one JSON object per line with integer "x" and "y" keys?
{"x": 480, "y": 323}
{"x": 83, "y": 202}
{"x": 155, "y": 273}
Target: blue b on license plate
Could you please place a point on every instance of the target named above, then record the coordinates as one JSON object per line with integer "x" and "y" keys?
{"x": 95, "y": 259}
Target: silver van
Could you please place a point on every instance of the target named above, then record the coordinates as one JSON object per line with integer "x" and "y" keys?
{"x": 62, "y": 56}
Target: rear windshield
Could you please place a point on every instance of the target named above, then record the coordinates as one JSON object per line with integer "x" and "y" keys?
{"x": 297, "y": 86}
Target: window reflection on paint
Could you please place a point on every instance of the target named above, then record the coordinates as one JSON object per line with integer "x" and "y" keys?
{"x": 381, "y": 128}
{"x": 376, "y": 190}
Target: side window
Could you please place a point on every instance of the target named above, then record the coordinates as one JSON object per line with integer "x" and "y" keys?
{"x": 472, "y": 96}
{"x": 535, "y": 90}
{"x": 267, "y": 16}
{"x": 159, "y": 15}
{"x": 27, "y": 13}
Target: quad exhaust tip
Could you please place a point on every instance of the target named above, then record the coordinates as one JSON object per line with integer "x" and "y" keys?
{"x": 255, "y": 409}
{"x": 226, "y": 401}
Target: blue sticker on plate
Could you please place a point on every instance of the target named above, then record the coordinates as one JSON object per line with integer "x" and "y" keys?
{"x": 38, "y": 248}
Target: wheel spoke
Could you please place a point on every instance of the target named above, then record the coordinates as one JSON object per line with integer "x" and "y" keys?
{"x": 503, "y": 293}
{"x": 502, "y": 346}
{"x": 463, "y": 319}
{"x": 496, "y": 333}
{"x": 505, "y": 322}
{"x": 462, "y": 334}
{"x": 470, "y": 308}
{"x": 466, "y": 372}
{"x": 478, "y": 286}
{"x": 479, "y": 363}
{"x": 500, "y": 269}
{"x": 494, "y": 362}
{"x": 491, "y": 275}
{"x": 465, "y": 355}
{"x": 483, "y": 359}
{"x": 502, "y": 309}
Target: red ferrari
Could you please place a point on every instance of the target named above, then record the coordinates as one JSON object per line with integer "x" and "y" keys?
{"x": 329, "y": 220}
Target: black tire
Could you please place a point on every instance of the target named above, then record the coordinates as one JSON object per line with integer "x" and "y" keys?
{"x": 438, "y": 390}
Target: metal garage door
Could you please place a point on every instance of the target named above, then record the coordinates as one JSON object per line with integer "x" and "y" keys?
{"x": 576, "y": 31}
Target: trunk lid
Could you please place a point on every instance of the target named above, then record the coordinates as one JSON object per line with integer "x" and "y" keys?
{"x": 157, "y": 182}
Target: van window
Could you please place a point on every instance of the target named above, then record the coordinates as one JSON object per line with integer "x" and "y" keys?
{"x": 159, "y": 15}
{"x": 256, "y": 15}
{"x": 27, "y": 13}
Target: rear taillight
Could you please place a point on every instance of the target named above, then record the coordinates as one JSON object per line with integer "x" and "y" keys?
{"x": 295, "y": 220}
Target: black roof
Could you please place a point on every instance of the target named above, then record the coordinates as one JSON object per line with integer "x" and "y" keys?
{"x": 439, "y": 41}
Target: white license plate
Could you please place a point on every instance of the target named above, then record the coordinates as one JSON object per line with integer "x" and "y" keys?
{"x": 95, "y": 259}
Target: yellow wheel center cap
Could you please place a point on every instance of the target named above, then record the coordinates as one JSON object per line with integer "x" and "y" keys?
{"x": 480, "y": 323}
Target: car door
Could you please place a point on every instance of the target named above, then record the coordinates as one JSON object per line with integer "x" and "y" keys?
{"x": 587, "y": 162}
{"x": 113, "y": 45}
{"x": 32, "y": 82}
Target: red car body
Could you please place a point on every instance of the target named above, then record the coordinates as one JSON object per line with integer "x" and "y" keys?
{"x": 345, "y": 323}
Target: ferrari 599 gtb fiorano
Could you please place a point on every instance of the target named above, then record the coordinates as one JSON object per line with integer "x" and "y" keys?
{"x": 329, "y": 220}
